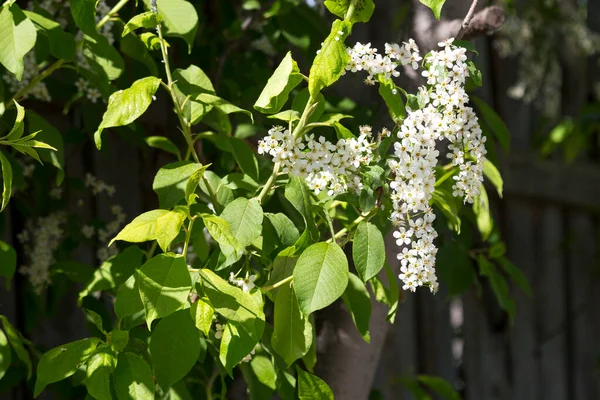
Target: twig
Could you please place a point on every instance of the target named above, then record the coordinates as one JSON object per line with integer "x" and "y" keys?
{"x": 467, "y": 20}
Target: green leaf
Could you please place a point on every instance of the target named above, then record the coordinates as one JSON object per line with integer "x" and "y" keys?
{"x": 99, "y": 368}
{"x": 8, "y": 262}
{"x": 118, "y": 339}
{"x": 17, "y": 37}
{"x": 245, "y": 157}
{"x": 440, "y": 386}
{"x": 358, "y": 301}
{"x": 361, "y": 13}
{"x": 6, "y": 181}
{"x": 264, "y": 370}
{"x": 174, "y": 347}
{"x": 236, "y": 344}
{"x": 474, "y": 73}
{"x": 16, "y": 342}
{"x": 192, "y": 82}
{"x": 393, "y": 100}
{"x": 171, "y": 181}
{"x": 164, "y": 284}
{"x": 435, "y": 5}
{"x": 491, "y": 172}
{"x": 245, "y": 219}
{"x": 192, "y": 183}
{"x": 311, "y": 387}
{"x": 292, "y": 331}
{"x": 275, "y": 94}
{"x": 142, "y": 229}
{"x": 103, "y": 58}
{"x": 222, "y": 105}
{"x": 368, "y": 250}
{"x": 146, "y": 20}
{"x": 133, "y": 378}
{"x": 114, "y": 271}
{"x": 163, "y": 143}
{"x": 125, "y": 106}
{"x": 279, "y": 232}
{"x": 299, "y": 195}
{"x": 50, "y": 135}
{"x": 234, "y": 304}
{"x": 134, "y": 47}
{"x": 84, "y": 15}
{"x": 516, "y": 275}
{"x": 283, "y": 267}
{"x": 5, "y": 354}
{"x": 498, "y": 284}
{"x": 62, "y": 44}
{"x": 320, "y": 276}
{"x": 481, "y": 208}
{"x": 288, "y": 116}
{"x": 18, "y": 127}
{"x": 202, "y": 313}
{"x": 170, "y": 226}
{"x": 151, "y": 41}
{"x": 221, "y": 232}
{"x": 331, "y": 61}
{"x": 96, "y": 319}
{"x": 62, "y": 362}
{"x": 128, "y": 301}
{"x": 179, "y": 18}
{"x": 494, "y": 121}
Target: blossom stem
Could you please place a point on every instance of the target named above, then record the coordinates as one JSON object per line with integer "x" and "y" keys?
{"x": 351, "y": 9}
{"x": 308, "y": 110}
{"x": 278, "y": 284}
{"x": 267, "y": 188}
{"x": 112, "y": 12}
{"x": 188, "y": 235}
{"x": 357, "y": 221}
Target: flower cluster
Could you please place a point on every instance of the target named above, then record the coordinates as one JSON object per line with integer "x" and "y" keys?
{"x": 40, "y": 239}
{"x": 30, "y": 71}
{"x": 247, "y": 283}
{"x": 325, "y": 166}
{"x": 443, "y": 114}
{"x": 98, "y": 186}
{"x": 365, "y": 58}
{"x": 109, "y": 231}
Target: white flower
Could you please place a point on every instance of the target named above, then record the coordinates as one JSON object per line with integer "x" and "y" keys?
{"x": 219, "y": 331}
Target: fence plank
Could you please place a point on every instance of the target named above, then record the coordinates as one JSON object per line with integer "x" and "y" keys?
{"x": 550, "y": 306}
{"x": 584, "y": 315}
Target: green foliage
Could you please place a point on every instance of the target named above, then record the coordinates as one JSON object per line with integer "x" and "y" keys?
{"x": 368, "y": 250}
{"x": 311, "y": 387}
{"x": 164, "y": 284}
{"x": 17, "y": 37}
{"x": 62, "y": 362}
{"x": 354, "y": 11}
{"x": 435, "y": 5}
{"x": 133, "y": 378}
{"x": 125, "y": 106}
{"x": 174, "y": 347}
{"x": 320, "y": 276}
{"x": 332, "y": 59}
{"x": 275, "y": 94}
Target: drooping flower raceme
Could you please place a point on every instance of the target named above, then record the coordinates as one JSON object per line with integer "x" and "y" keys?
{"x": 443, "y": 114}
{"x": 325, "y": 166}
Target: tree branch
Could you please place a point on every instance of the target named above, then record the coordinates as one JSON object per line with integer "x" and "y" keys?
{"x": 467, "y": 20}
{"x": 429, "y": 32}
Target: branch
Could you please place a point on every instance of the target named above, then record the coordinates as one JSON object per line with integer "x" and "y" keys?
{"x": 467, "y": 20}
{"x": 428, "y": 32}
